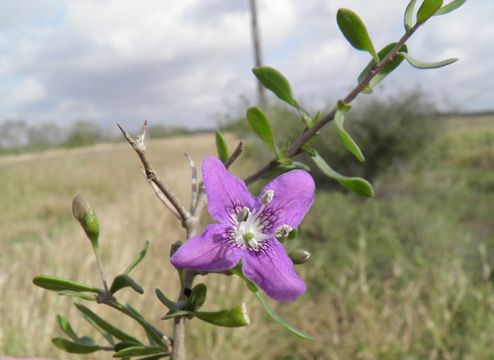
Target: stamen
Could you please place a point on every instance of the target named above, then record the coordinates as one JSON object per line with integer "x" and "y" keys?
{"x": 267, "y": 197}
{"x": 243, "y": 214}
{"x": 283, "y": 231}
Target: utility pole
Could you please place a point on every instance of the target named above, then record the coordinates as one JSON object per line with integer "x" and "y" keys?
{"x": 256, "y": 43}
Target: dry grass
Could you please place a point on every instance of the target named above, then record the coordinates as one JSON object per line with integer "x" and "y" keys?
{"x": 353, "y": 312}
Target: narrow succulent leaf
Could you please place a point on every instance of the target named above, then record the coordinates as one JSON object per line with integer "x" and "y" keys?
{"x": 86, "y": 340}
{"x": 428, "y": 65}
{"x": 255, "y": 290}
{"x": 175, "y": 314}
{"x": 279, "y": 319}
{"x": 138, "y": 258}
{"x": 409, "y": 12}
{"x": 274, "y": 81}
{"x": 123, "y": 345}
{"x": 102, "y": 331}
{"x": 171, "y": 305}
{"x": 428, "y": 9}
{"x": 260, "y": 125}
{"x": 123, "y": 281}
{"x": 385, "y": 71}
{"x": 103, "y": 324}
{"x": 357, "y": 185}
{"x": 78, "y": 295}
{"x": 234, "y": 317}
{"x": 452, "y": 6}
{"x": 355, "y": 32}
{"x": 65, "y": 326}
{"x": 60, "y": 284}
{"x": 221, "y": 146}
{"x": 73, "y": 347}
{"x": 197, "y": 298}
{"x": 306, "y": 118}
{"x": 317, "y": 117}
{"x": 250, "y": 285}
{"x": 155, "y": 357}
{"x": 138, "y": 351}
{"x": 152, "y": 333}
{"x": 344, "y": 136}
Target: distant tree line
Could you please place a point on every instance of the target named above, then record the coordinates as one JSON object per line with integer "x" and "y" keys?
{"x": 18, "y": 136}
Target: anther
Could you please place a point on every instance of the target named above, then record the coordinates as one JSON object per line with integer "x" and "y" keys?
{"x": 283, "y": 231}
{"x": 243, "y": 214}
{"x": 267, "y": 197}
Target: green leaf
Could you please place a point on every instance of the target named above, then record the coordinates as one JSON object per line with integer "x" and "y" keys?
{"x": 273, "y": 80}
{"x": 234, "y": 317}
{"x": 345, "y": 137}
{"x": 221, "y": 146}
{"x": 386, "y": 70}
{"x": 59, "y": 284}
{"x": 255, "y": 289}
{"x": 78, "y": 295}
{"x": 409, "y": 14}
{"x": 428, "y": 9}
{"x": 355, "y": 31}
{"x": 174, "y": 314}
{"x": 103, "y": 324}
{"x": 123, "y": 281}
{"x": 425, "y": 65}
{"x": 74, "y": 348}
{"x": 280, "y": 320}
{"x": 453, "y": 5}
{"x": 171, "y": 305}
{"x": 153, "y": 334}
{"x": 260, "y": 124}
{"x": 317, "y": 117}
{"x": 65, "y": 326}
{"x": 123, "y": 345}
{"x": 197, "y": 298}
{"x": 355, "y": 184}
{"x": 155, "y": 357}
{"x": 138, "y": 258}
{"x": 139, "y": 351}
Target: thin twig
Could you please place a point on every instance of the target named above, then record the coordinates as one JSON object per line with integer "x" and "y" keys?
{"x": 236, "y": 153}
{"x": 297, "y": 145}
{"x": 162, "y": 197}
{"x": 140, "y": 148}
{"x": 194, "y": 185}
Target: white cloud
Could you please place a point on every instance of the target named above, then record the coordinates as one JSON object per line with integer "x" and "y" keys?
{"x": 179, "y": 61}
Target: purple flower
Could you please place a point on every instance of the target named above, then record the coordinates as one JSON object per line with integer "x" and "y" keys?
{"x": 247, "y": 227}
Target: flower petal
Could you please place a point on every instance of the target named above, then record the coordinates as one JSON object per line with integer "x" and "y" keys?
{"x": 210, "y": 251}
{"x": 273, "y": 271}
{"x": 226, "y": 193}
{"x": 293, "y": 196}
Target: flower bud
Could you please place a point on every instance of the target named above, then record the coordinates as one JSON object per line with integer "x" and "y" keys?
{"x": 299, "y": 256}
{"x": 86, "y": 216}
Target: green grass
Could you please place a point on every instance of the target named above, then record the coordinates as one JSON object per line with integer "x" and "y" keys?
{"x": 406, "y": 275}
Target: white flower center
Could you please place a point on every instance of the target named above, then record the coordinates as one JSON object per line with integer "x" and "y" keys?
{"x": 249, "y": 227}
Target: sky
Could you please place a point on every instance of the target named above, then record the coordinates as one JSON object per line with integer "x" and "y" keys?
{"x": 187, "y": 63}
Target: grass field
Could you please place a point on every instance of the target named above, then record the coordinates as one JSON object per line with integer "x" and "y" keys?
{"x": 407, "y": 275}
